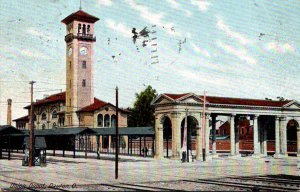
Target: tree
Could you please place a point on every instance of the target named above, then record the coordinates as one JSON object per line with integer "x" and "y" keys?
{"x": 142, "y": 113}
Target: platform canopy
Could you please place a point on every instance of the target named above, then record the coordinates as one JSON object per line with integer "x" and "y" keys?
{"x": 62, "y": 131}
{"x": 9, "y": 130}
{"x": 138, "y": 131}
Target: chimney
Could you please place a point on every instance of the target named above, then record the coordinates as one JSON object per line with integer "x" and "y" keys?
{"x": 9, "y": 101}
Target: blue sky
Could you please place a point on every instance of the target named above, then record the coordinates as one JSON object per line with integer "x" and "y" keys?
{"x": 231, "y": 48}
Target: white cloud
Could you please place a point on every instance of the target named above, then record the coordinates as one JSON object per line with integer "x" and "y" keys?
{"x": 152, "y": 17}
{"x": 105, "y": 2}
{"x": 174, "y": 4}
{"x": 119, "y": 27}
{"x": 242, "y": 54}
{"x": 201, "y": 4}
{"x": 39, "y": 33}
{"x": 280, "y": 47}
{"x": 200, "y": 50}
{"x": 233, "y": 34}
{"x": 35, "y": 54}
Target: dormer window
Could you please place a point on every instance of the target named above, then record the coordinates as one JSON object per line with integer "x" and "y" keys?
{"x": 44, "y": 116}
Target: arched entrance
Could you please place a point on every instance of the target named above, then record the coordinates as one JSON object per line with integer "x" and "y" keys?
{"x": 167, "y": 134}
{"x": 192, "y": 124}
{"x": 291, "y": 129}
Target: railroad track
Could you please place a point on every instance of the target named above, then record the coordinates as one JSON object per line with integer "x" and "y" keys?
{"x": 253, "y": 183}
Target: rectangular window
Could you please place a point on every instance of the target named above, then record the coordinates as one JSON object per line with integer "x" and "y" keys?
{"x": 83, "y": 64}
{"x": 83, "y": 83}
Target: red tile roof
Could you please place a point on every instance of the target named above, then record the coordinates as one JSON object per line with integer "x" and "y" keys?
{"x": 248, "y": 102}
{"x": 50, "y": 99}
{"x": 25, "y": 118}
{"x": 96, "y": 105}
{"x": 234, "y": 101}
{"x": 80, "y": 16}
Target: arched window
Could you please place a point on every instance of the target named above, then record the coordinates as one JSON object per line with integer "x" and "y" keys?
{"x": 100, "y": 120}
{"x": 83, "y": 64}
{"x": 44, "y": 116}
{"x": 79, "y": 27}
{"x": 113, "y": 121}
{"x": 54, "y": 125}
{"x": 83, "y": 29}
{"x": 43, "y": 126}
{"x": 106, "y": 121}
{"x": 83, "y": 83}
{"x": 54, "y": 114}
{"x": 88, "y": 29}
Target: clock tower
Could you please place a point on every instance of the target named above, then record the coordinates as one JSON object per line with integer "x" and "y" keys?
{"x": 80, "y": 41}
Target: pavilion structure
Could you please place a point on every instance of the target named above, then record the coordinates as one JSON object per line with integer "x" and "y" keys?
{"x": 270, "y": 119}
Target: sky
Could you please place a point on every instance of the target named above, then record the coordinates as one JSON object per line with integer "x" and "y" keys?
{"x": 247, "y": 49}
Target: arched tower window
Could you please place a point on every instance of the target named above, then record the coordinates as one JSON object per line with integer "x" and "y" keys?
{"x": 88, "y": 29}
{"x": 106, "y": 121}
{"x": 79, "y": 28}
{"x": 83, "y": 83}
{"x": 83, "y": 29}
{"x": 113, "y": 121}
{"x": 100, "y": 120}
{"x": 83, "y": 64}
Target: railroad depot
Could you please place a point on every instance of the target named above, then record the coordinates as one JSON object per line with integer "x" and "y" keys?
{"x": 75, "y": 120}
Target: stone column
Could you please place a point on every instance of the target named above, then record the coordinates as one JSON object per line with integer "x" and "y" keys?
{"x": 283, "y": 135}
{"x": 214, "y": 147}
{"x": 207, "y": 133}
{"x": 176, "y": 132}
{"x": 159, "y": 140}
{"x": 255, "y": 136}
{"x": 265, "y": 141}
{"x": 198, "y": 143}
{"x": 277, "y": 139}
{"x": 237, "y": 136}
{"x": 298, "y": 141}
{"x": 232, "y": 138}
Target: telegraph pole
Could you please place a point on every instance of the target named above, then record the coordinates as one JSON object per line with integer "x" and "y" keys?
{"x": 31, "y": 136}
{"x": 203, "y": 126}
{"x": 117, "y": 135}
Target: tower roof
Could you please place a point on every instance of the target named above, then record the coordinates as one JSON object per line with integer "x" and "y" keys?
{"x": 80, "y": 16}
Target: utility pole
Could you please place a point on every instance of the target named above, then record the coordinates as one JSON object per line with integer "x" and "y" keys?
{"x": 117, "y": 135}
{"x": 203, "y": 126}
{"x": 31, "y": 131}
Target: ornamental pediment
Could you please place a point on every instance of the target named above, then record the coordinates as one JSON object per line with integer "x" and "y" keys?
{"x": 292, "y": 105}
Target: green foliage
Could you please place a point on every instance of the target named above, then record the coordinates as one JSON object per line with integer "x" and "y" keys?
{"x": 142, "y": 113}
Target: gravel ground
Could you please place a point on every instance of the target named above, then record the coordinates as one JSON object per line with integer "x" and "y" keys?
{"x": 136, "y": 173}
